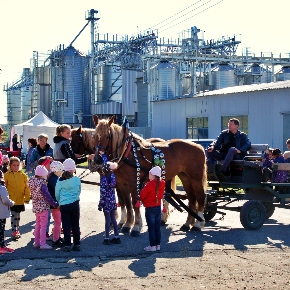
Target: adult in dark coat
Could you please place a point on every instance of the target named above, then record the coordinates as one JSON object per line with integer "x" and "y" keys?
{"x": 14, "y": 143}
{"x": 230, "y": 144}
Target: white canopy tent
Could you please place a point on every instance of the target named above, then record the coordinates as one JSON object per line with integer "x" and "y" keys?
{"x": 35, "y": 126}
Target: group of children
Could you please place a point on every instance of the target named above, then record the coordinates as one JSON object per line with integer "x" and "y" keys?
{"x": 55, "y": 189}
{"x": 275, "y": 156}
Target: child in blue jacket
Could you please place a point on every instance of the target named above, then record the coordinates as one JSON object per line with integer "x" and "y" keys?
{"x": 67, "y": 193}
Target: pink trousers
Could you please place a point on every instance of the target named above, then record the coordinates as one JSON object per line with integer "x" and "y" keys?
{"x": 56, "y": 223}
{"x": 40, "y": 228}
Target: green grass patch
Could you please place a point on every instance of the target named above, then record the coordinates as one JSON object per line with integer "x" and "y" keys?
{"x": 85, "y": 164}
{"x": 178, "y": 181}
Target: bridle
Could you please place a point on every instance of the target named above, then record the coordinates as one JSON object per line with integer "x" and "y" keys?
{"x": 102, "y": 148}
{"x": 80, "y": 143}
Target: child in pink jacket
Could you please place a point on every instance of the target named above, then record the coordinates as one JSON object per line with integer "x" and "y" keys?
{"x": 41, "y": 201}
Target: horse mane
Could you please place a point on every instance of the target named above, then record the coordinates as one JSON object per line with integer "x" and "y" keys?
{"x": 118, "y": 135}
{"x": 142, "y": 142}
{"x": 89, "y": 137}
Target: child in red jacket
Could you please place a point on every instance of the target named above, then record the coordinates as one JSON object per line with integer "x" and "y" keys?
{"x": 151, "y": 196}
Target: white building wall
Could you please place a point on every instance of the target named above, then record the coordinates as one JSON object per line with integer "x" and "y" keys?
{"x": 264, "y": 109}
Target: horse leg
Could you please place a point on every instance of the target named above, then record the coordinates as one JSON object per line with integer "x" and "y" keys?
{"x": 127, "y": 215}
{"x": 135, "y": 232}
{"x": 200, "y": 209}
{"x": 191, "y": 201}
{"x": 200, "y": 190}
{"x": 165, "y": 211}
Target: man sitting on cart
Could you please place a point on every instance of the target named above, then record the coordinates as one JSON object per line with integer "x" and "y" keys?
{"x": 231, "y": 144}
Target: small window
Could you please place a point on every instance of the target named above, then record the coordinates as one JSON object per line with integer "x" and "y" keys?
{"x": 197, "y": 128}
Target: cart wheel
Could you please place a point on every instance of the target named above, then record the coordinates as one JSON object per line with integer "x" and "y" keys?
{"x": 269, "y": 207}
{"x": 210, "y": 211}
{"x": 252, "y": 215}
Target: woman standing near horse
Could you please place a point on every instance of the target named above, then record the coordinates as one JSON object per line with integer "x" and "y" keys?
{"x": 151, "y": 196}
{"x": 62, "y": 146}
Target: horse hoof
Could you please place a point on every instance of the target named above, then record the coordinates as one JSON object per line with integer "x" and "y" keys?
{"x": 125, "y": 230}
{"x": 135, "y": 233}
{"x": 195, "y": 229}
{"x": 120, "y": 226}
{"x": 184, "y": 228}
{"x": 162, "y": 223}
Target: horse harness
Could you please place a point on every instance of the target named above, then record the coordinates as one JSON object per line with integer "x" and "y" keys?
{"x": 130, "y": 143}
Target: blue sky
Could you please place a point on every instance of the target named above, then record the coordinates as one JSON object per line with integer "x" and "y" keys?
{"x": 35, "y": 25}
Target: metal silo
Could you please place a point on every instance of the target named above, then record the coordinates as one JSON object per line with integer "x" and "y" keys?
{"x": 26, "y": 94}
{"x": 256, "y": 74}
{"x": 70, "y": 93}
{"x": 14, "y": 105}
{"x": 186, "y": 84}
{"x": 283, "y": 74}
{"x": 223, "y": 76}
{"x": 129, "y": 89}
{"x": 164, "y": 81}
{"x": 109, "y": 83}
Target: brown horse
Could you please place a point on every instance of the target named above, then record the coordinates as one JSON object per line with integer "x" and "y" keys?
{"x": 135, "y": 157}
{"x": 83, "y": 140}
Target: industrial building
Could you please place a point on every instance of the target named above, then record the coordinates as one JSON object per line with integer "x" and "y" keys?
{"x": 263, "y": 111}
{"x": 163, "y": 87}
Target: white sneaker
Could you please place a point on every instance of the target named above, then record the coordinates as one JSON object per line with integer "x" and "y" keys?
{"x": 45, "y": 247}
{"x": 150, "y": 249}
{"x": 158, "y": 248}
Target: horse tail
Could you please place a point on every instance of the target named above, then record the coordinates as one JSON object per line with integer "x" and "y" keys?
{"x": 204, "y": 176}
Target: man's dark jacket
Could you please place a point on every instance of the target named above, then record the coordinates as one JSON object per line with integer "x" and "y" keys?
{"x": 242, "y": 141}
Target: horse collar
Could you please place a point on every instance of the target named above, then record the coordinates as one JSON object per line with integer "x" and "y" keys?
{"x": 129, "y": 146}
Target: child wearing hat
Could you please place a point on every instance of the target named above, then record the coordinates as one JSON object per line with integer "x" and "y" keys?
{"x": 41, "y": 200}
{"x": 67, "y": 193}
{"x": 151, "y": 196}
{"x": 5, "y": 204}
{"x": 107, "y": 202}
{"x": 56, "y": 168}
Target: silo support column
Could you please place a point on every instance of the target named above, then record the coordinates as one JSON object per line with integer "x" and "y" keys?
{"x": 193, "y": 77}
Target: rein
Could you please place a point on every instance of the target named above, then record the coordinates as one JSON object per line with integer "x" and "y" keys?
{"x": 83, "y": 175}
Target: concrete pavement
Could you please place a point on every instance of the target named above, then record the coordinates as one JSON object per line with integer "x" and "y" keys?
{"x": 184, "y": 260}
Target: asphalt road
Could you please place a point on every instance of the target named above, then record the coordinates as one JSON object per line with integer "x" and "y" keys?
{"x": 110, "y": 266}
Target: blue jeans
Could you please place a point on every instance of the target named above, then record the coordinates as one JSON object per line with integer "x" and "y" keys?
{"x": 70, "y": 217}
{"x": 153, "y": 219}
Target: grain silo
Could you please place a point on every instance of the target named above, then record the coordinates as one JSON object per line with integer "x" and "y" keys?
{"x": 256, "y": 74}
{"x": 283, "y": 74}
{"x": 164, "y": 81}
{"x": 26, "y": 94}
{"x": 109, "y": 83}
{"x": 14, "y": 105}
{"x": 223, "y": 76}
{"x": 70, "y": 89}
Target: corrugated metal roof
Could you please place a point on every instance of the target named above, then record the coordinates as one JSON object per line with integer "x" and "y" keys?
{"x": 248, "y": 88}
